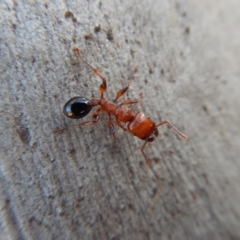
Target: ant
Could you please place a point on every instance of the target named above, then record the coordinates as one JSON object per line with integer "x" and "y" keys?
{"x": 138, "y": 124}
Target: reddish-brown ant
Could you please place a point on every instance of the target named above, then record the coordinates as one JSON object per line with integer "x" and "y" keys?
{"x": 138, "y": 124}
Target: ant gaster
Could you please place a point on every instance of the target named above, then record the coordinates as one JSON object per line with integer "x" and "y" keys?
{"x": 137, "y": 124}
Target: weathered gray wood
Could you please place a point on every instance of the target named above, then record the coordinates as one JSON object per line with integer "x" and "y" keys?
{"x": 72, "y": 185}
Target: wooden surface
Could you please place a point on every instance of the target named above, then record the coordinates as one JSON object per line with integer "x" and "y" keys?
{"x": 72, "y": 185}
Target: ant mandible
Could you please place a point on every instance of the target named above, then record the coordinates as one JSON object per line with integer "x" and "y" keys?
{"x": 138, "y": 124}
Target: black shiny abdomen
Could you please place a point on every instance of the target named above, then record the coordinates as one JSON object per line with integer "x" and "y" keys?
{"x": 77, "y": 107}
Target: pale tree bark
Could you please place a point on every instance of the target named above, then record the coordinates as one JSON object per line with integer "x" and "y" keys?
{"x": 72, "y": 185}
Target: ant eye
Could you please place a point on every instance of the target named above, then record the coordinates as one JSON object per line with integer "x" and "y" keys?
{"x": 77, "y": 107}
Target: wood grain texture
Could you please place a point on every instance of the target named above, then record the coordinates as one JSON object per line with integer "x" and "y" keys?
{"x": 72, "y": 185}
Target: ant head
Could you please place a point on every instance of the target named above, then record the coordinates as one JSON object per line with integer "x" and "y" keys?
{"x": 77, "y": 107}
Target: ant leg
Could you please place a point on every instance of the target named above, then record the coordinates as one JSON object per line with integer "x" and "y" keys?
{"x": 121, "y": 92}
{"x": 127, "y": 102}
{"x": 112, "y": 132}
{"x": 174, "y": 128}
{"x": 151, "y": 139}
{"x": 103, "y": 86}
{"x": 120, "y": 125}
{"x": 95, "y": 118}
{"x": 111, "y": 129}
